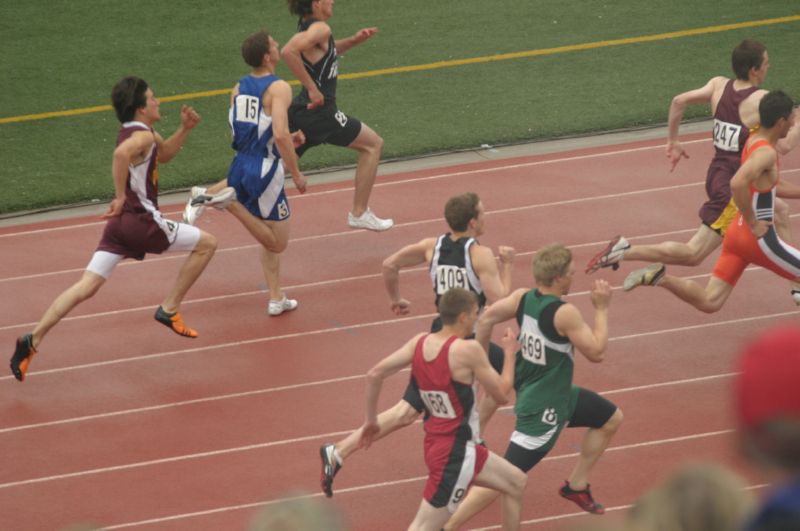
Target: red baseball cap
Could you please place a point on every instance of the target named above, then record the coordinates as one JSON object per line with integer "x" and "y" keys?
{"x": 768, "y": 384}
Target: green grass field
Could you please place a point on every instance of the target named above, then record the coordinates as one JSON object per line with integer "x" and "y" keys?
{"x": 65, "y": 55}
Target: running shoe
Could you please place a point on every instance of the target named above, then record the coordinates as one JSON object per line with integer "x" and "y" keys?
{"x": 220, "y": 200}
{"x": 330, "y": 466}
{"x": 200, "y": 199}
{"x": 283, "y": 305}
{"x": 646, "y": 276}
{"x": 174, "y": 322}
{"x": 368, "y": 220}
{"x": 796, "y": 296}
{"x": 23, "y": 353}
{"x": 583, "y": 498}
{"x": 192, "y": 212}
{"x": 610, "y": 256}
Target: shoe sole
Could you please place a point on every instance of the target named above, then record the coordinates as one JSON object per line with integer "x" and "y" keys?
{"x": 173, "y": 321}
{"x": 592, "y": 509}
{"x": 593, "y": 264}
{"x": 638, "y": 277}
{"x": 373, "y": 229}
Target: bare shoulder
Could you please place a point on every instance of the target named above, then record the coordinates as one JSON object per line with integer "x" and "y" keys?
{"x": 466, "y": 350}
{"x": 319, "y": 30}
{"x": 567, "y": 317}
{"x": 279, "y": 86}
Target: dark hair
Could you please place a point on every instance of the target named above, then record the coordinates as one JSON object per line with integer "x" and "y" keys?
{"x": 454, "y": 302}
{"x": 300, "y": 8}
{"x": 460, "y": 209}
{"x": 128, "y": 96}
{"x": 255, "y": 47}
{"x": 774, "y": 106}
{"x": 748, "y": 54}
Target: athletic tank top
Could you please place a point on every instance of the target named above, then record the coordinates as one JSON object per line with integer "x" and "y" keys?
{"x": 324, "y": 72}
{"x": 450, "y": 404}
{"x": 544, "y": 364}
{"x": 763, "y": 201}
{"x": 250, "y": 125}
{"x": 451, "y": 267}
{"x": 141, "y": 190}
{"x": 730, "y": 134}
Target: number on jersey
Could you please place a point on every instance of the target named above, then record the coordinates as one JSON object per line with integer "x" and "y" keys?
{"x": 247, "y": 109}
{"x": 532, "y": 346}
{"x": 726, "y": 136}
{"x": 550, "y": 416}
{"x": 438, "y": 404}
{"x": 448, "y": 276}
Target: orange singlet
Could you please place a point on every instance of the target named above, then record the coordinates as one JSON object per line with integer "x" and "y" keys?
{"x": 741, "y": 248}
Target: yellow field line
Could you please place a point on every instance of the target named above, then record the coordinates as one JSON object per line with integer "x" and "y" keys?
{"x": 448, "y": 64}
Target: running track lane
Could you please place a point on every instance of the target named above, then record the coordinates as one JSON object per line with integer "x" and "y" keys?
{"x": 123, "y": 423}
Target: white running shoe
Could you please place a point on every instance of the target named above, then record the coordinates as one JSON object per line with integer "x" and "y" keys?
{"x": 283, "y": 305}
{"x": 610, "y": 256}
{"x": 368, "y": 220}
{"x": 646, "y": 276}
{"x": 192, "y": 212}
{"x": 200, "y": 199}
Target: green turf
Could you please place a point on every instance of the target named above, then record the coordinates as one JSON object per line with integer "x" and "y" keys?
{"x": 62, "y": 55}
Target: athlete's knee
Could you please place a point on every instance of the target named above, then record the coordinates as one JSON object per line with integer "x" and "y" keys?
{"x": 378, "y": 145}
{"x": 207, "y": 243}
{"x": 695, "y": 258}
{"x": 711, "y": 305}
{"x": 612, "y": 424}
{"x": 518, "y": 481}
{"x": 279, "y": 246}
{"x": 88, "y": 285}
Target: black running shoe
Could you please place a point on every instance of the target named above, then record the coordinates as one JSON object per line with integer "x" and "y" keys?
{"x": 329, "y": 468}
{"x": 583, "y": 498}
{"x": 23, "y": 353}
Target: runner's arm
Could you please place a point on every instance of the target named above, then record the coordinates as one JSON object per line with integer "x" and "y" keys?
{"x": 389, "y": 365}
{"x": 590, "y": 341}
{"x": 495, "y": 283}
{"x": 167, "y": 149}
{"x": 502, "y": 310}
{"x": 496, "y": 385}
{"x": 342, "y": 45}
{"x": 674, "y": 149}
{"x": 792, "y": 139}
{"x": 281, "y": 94}
{"x": 759, "y": 161}
{"x": 408, "y": 256}
{"x": 304, "y": 41}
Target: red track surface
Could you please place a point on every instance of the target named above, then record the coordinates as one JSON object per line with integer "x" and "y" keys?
{"x": 125, "y": 425}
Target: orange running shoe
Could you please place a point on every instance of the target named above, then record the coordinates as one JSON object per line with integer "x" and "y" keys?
{"x": 174, "y": 321}
{"x": 22, "y": 356}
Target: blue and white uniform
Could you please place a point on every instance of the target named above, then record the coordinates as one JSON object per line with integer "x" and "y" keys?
{"x": 256, "y": 172}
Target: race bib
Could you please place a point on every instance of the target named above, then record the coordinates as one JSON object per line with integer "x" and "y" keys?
{"x": 726, "y": 136}
{"x": 532, "y": 347}
{"x": 438, "y": 404}
{"x": 247, "y": 109}
{"x": 448, "y": 276}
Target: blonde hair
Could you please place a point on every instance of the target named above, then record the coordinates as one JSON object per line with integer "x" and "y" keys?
{"x": 698, "y": 497}
{"x": 551, "y": 261}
